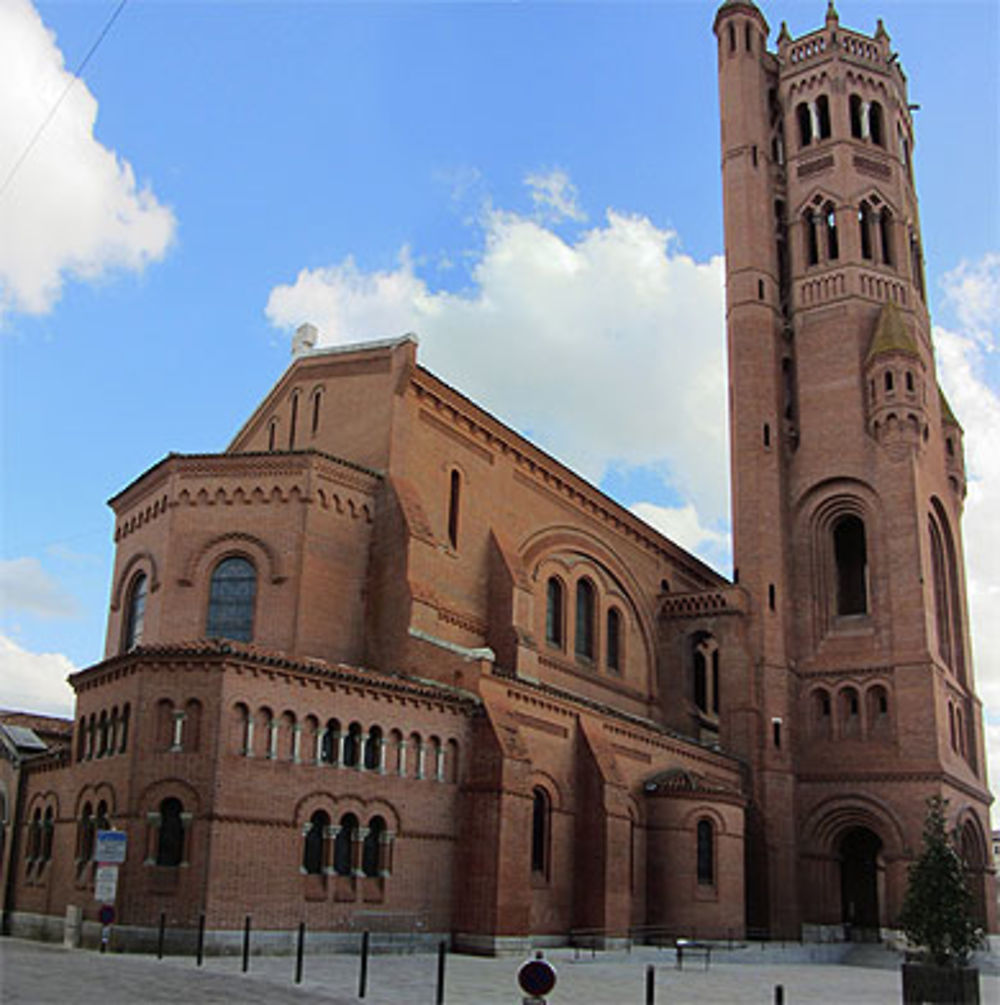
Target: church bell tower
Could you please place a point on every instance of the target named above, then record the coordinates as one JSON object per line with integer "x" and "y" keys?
{"x": 848, "y": 485}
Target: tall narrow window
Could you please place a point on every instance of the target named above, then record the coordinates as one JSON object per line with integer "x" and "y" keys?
{"x": 371, "y": 847}
{"x": 293, "y": 421}
{"x": 454, "y": 498}
{"x": 554, "y": 612}
{"x": 352, "y": 746}
{"x": 812, "y": 242}
{"x": 312, "y": 846}
{"x": 804, "y": 117}
{"x": 865, "y": 228}
{"x": 855, "y": 110}
{"x": 832, "y": 242}
{"x": 48, "y": 830}
{"x": 823, "y": 116}
{"x": 585, "y": 619}
{"x": 940, "y": 581}
{"x": 373, "y": 748}
{"x": 135, "y": 613}
{"x": 87, "y": 832}
{"x": 540, "y": 822}
{"x": 850, "y": 551}
{"x": 343, "y": 845}
{"x": 613, "y": 640}
{"x": 706, "y": 853}
{"x": 170, "y": 843}
{"x": 316, "y": 399}
{"x": 700, "y": 680}
{"x": 876, "y": 127}
{"x": 715, "y": 681}
{"x": 885, "y": 234}
{"x": 123, "y": 728}
{"x": 231, "y": 600}
{"x": 272, "y": 432}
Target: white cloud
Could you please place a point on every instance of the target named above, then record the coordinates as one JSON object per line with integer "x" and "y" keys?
{"x": 682, "y": 526}
{"x": 74, "y": 204}
{"x": 606, "y": 349}
{"x": 555, "y": 196}
{"x": 974, "y": 292}
{"x": 26, "y": 586}
{"x": 34, "y": 682}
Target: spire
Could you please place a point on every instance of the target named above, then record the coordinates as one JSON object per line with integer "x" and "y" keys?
{"x": 784, "y": 35}
{"x": 832, "y": 17}
{"x": 891, "y": 335}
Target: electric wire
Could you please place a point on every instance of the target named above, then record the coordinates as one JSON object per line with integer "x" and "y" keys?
{"x": 62, "y": 97}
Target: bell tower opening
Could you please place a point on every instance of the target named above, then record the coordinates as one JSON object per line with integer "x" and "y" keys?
{"x": 859, "y": 898}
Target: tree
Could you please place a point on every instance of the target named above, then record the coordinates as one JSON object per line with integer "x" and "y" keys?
{"x": 937, "y": 909}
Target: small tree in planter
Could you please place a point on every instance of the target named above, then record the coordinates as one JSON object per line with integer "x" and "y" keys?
{"x": 937, "y": 915}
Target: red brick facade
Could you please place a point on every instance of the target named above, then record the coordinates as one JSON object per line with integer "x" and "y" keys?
{"x": 385, "y": 664}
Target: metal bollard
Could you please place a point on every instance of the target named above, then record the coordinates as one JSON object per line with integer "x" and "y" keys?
{"x": 442, "y": 952}
{"x": 650, "y": 984}
{"x": 201, "y": 939}
{"x": 160, "y": 935}
{"x": 299, "y": 951}
{"x": 246, "y": 944}
{"x": 779, "y": 994}
{"x": 363, "y": 976}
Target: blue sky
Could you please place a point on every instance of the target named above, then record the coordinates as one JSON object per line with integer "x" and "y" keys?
{"x": 533, "y": 188}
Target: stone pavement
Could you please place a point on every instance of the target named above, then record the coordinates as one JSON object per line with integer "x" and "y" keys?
{"x": 46, "y": 973}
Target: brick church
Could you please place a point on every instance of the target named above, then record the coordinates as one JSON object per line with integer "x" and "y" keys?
{"x": 385, "y": 664}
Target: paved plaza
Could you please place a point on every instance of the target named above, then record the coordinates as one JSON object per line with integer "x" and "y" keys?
{"x": 45, "y": 973}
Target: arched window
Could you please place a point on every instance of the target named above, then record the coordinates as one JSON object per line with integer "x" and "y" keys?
{"x": 87, "y": 830}
{"x": 700, "y": 680}
{"x": 272, "y": 433}
{"x": 585, "y": 619}
{"x": 540, "y": 825}
{"x": 865, "y": 229}
{"x": 554, "y": 612}
{"x": 370, "y": 850}
{"x": 885, "y": 236}
{"x": 81, "y": 738}
{"x": 317, "y": 398}
{"x": 312, "y": 846}
{"x": 48, "y": 829}
{"x": 123, "y": 728}
{"x": 373, "y": 749}
{"x": 135, "y": 613}
{"x": 454, "y": 500}
{"x": 821, "y": 716}
{"x": 170, "y": 841}
{"x": 917, "y": 264}
{"x": 876, "y": 124}
{"x": 850, "y": 712}
{"x": 35, "y": 837}
{"x": 940, "y": 583}
{"x": 231, "y": 600}
{"x": 856, "y": 114}
{"x": 851, "y": 555}
{"x": 804, "y": 118}
{"x": 705, "y": 673}
{"x": 612, "y": 640}
{"x": 832, "y": 241}
{"x": 343, "y": 845}
{"x": 823, "y": 116}
{"x": 352, "y": 746}
{"x": 706, "y": 853}
{"x": 878, "y": 708}
{"x": 293, "y": 421}
{"x": 812, "y": 242}
{"x": 331, "y": 741}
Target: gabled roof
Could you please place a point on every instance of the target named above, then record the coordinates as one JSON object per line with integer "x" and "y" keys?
{"x": 891, "y": 335}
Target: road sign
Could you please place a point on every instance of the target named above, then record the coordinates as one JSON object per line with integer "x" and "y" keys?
{"x": 111, "y": 847}
{"x": 537, "y": 977}
{"x": 106, "y": 883}
{"x": 106, "y": 915}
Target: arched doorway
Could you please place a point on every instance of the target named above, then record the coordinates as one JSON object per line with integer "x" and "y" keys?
{"x": 859, "y": 900}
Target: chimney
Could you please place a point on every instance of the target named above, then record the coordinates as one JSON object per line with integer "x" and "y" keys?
{"x": 304, "y": 340}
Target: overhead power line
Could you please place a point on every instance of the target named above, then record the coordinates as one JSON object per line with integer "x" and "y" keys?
{"x": 62, "y": 97}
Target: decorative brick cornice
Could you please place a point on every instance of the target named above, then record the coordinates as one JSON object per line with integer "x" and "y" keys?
{"x": 704, "y": 603}
{"x": 223, "y": 654}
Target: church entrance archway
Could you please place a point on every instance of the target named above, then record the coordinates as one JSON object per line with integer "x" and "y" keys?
{"x": 859, "y": 883}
